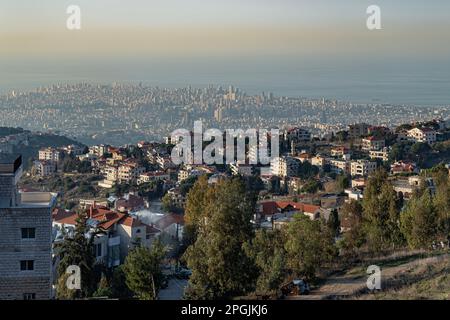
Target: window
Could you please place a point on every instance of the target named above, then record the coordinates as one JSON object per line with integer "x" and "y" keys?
{"x": 29, "y": 296}
{"x": 138, "y": 231}
{"x": 98, "y": 250}
{"x": 27, "y": 265}
{"x": 28, "y": 233}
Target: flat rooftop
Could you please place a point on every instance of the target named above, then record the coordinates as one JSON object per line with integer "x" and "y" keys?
{"x": 10, "y": 163}
{"x": 37, "y": 199}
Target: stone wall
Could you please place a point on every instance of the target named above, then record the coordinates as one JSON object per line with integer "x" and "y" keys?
{"x": 14, "y": 282}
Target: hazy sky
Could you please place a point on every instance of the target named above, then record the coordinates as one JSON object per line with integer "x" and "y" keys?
{"x": 295, "y": 47}
{"x": 30, "y": 28}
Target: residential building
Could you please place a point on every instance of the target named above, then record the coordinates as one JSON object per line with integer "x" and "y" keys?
{"x": 339, "y": 166}
{"x": 362, "y": 167}
{"x": 284, "y": 166}
{"x": 400, "y": 167}
{"x": 129, "y": 172}
{"x": 25, "y": 237}
{"x": 50, "y": 154}
{"x": 372, "y": 143}
{"x": 380, "y": 154}
{"x": 318, "y": 161}
{"x": 297, "y": 134}
{"x": 153, "y": 176}
{"x": 358, "y": 130}
{"x": 44, "y": 168}
{"x": 425, "y": 135}
{"x": 241, "y": 169}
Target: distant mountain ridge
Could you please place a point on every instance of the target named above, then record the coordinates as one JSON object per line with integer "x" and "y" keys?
{"x": 28, "y": 143}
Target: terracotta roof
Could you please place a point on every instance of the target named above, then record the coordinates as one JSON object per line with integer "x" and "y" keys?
{"x": 272, "y": 207}
{"x": 131, "y": 222}
{"x": 131, "y": 203}
{"x": 168, "y": 220}
{"x": 64, "y": 217}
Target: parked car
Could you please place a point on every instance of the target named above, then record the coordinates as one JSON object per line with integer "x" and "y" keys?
{"x": 296, "y": 287}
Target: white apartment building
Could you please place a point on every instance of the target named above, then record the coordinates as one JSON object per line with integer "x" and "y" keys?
{"x": 43, "y": 168}
{"x": 372, "y": 143}
{"x": 241, "y": 169}
{"x": 49, "y": 154}
{"x": 425, "y": 135}
{"x": 152, "y": 176}
{"x": 362, "y": 167}
{"x": 284, "y": 166}
{"x": 380, "y": 154}
{"x": 339, "y": 166}
{"x": 129, "y": 172}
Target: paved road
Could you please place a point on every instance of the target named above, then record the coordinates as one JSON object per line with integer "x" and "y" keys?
{"x": 174, "y": 291}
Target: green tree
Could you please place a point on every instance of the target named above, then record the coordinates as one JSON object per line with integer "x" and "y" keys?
{"x": 381, "y": 213}
{"x": 143, "y": 272}
{"x": 167, "y": 203}
{"x": 311, "y": 186}
{"x": 77, "y": 249}
{"x": 309, "y": 245}
{"x": 419, "y": 221}
{"x": 119, "y": 288}
{"x": 441, "y": 203}
{"x": 62, "y": 291}
{"x": 333, "y": 223}
{"x": 352, "y": 222}
{"x": 104, "y": 288}
{"x": 267, "y": 251}
{"x": 219, "y": 264}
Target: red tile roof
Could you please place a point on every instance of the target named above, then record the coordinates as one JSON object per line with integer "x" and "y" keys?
{"x": 168, "y": 220}
{"x": 272, "y": 207}
{"x": 64, "y": 217}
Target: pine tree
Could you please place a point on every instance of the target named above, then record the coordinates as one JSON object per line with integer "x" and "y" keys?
{"x": 381, "y": 213}
{"x": 442, "y": 205}
{"x": 353, "y": 238}
{"x": 143, "y": 272}
{"x": 419, "y": 221}
{"x": 77, "y": 249}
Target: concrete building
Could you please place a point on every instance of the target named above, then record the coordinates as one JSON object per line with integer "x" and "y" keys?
{"x": 358, "y": 130}
{"x": 44, "y": 168}
{"x": 241, "y": 169}
{"x": 380, "y": 154}
{"x": 25, "y": 237}
{"x": 425, "y": 135}
{"x": 284, "y": 166}
{"x": 339, "y": 166}
{"x": 362, "y": 168}
{"x": 372, "y": 143}
{"x": 297, "y": 134}
{"x": 153, "y": 176}
{"x": 50, "y": 154}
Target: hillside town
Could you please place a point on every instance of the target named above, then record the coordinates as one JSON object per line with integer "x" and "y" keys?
{"x": 134, "y": 195}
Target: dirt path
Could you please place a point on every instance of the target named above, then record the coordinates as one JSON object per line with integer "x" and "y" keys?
{"x": 341, "y": 286}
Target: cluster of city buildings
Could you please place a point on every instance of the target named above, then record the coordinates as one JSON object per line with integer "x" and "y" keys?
{"x": 124, "y": 113}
